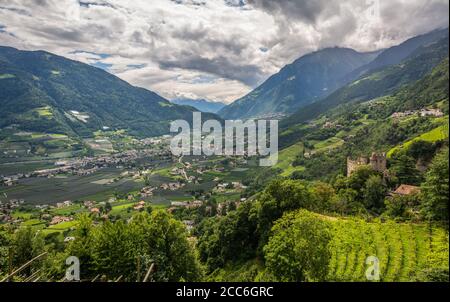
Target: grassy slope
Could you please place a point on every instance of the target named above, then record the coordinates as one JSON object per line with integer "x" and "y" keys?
{"x": 286, "y": 157}
{"x": 437, "y": 134}
{"x": 367, "y": 127}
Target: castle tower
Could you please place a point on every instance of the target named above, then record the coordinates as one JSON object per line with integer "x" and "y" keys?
{"x": 378, "y": 162}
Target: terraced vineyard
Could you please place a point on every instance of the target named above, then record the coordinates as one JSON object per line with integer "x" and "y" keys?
{"x": 402, "y": 250}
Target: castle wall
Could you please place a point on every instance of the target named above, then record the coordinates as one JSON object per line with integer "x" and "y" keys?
{"x": 353, "y": 165}
{"x": 377, "y": 162}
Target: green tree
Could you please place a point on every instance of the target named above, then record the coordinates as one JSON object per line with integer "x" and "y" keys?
{"x": 358, "y": 180}
{"x": 167, "y": 245}
{"x": 280, "y": 196}
{"x": 116, "y": 248}
{"x": 298, "y": 250}
{"x": 404, "y": 169}
{"x": 322, "y": 194}
{"x": 435, "y": 189}
{"x": 5, "y": 244}
{"x": 402, "y": 207}
{"x": 27, "y": 244}
{"x": 108, "y": 207}
{"x": 82, "y": 246}
{"x": 374, "y": 193}
{"x": 346, "y": 202}
{"x": 421, "y": 150}
{"x": 229, "y": 238}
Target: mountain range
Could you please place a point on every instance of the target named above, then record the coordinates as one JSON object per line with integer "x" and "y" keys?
{"x": 320, "y": 75}
{"x": 379, "y": 82}
{"x": 303, "y": 82}
{"x": 43, "y": 92}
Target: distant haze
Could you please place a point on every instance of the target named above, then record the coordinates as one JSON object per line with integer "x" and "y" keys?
{"x": 201, "y": 105}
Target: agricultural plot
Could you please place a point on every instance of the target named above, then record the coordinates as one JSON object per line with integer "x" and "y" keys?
{"x": 50, "y": 191}
{"x": 23, "y": 147}
{"x": 403, "y": 250}
{"x": 61, "y": 227}
{"x": 328, "y": 144}
{"x": 8, "y": 168}
{"x": 286, "y": 158}
{"x": 100, "y": 145}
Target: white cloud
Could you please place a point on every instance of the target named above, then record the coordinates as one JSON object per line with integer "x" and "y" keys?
{"x": 214, "y": 49}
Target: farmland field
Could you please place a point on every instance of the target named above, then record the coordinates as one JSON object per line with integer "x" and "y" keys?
{"x": 52, "y": 190}
{"x": 402, "y": 249}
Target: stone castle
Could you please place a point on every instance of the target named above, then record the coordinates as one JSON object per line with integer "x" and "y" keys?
{"x": 378, "y": 162}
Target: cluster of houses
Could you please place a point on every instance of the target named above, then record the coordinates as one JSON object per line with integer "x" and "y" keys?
{"x": 223, "y": 187}
{"x": 64, "y": 204}
{"x": 12, "y": 180}
{"x": 172, "y": 186}
{"x": 222, "y": 208}
{"x": 154, "y": 141}
{"x": 331, "y": 125}
{"x": 60, "y": 219}
{"x": 147, "y": 192}
{"x": 186, "y": 204}
{"x": 422, "y": 113}
{"x": 6, "y": 208}
{"x": 82, "y": 167}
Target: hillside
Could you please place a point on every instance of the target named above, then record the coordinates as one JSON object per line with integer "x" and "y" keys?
{"x": 308, "y": 79}
{"x": 321, "y": 74}
{"x": 379, "y": 83}
{"x": 396, "y": 54}
{"x": 42, "y": 92}
{"x": 355, "y": 129}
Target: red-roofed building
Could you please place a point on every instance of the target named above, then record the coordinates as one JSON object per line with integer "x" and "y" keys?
{"x": 406, "y": 190}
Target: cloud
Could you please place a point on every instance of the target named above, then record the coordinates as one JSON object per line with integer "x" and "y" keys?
{"x": 213, "y": 49}
{"x": 221, "y": 66}
{"x": 300, "y": 10}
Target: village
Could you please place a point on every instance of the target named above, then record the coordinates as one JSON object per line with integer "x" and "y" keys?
{"x": 89, "y": 165}
{"x": 183, "y": 173}
{"x": 192, "y": 172}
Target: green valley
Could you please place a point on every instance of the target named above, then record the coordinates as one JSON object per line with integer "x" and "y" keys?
{"x": 359, "y": 192}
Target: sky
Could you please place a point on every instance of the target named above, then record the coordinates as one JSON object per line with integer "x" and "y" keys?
{"x": 217, "y": 50}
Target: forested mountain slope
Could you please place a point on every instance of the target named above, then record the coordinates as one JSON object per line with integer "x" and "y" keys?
{"x": 382, "y": 82}
{"x": 308, "y": 79}
{"x": 42, "y": 92}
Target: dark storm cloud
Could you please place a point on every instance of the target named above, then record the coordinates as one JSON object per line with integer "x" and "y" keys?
{"x": 213, "y": 52}
{"x": 72, "y": 35}
{"x": 302, "y": 10}
{"x": 221, "y": 66}
{"x": 212, "y": 41}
